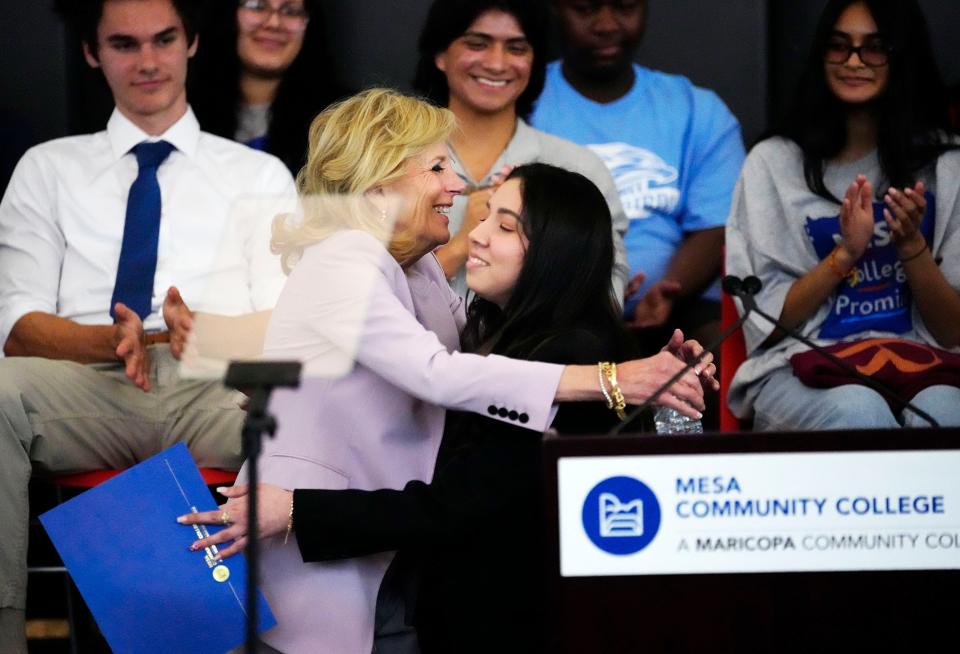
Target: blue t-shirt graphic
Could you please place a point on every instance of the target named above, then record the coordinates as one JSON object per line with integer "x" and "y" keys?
{"x": 876, "y": 297}
{"x": 673, "y": 149}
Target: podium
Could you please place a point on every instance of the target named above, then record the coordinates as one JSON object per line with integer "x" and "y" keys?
{"x": 866, "y": 569}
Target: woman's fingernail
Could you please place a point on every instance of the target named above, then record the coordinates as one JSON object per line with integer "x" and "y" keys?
{"x": 181, "y": 519}
{"x": 221, "y": 489}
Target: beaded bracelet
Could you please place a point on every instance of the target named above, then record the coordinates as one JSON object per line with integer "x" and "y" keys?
{"x": 619, "y": 403}
{"x": 835, "y": 267}
{"x": 603, "y": 387}
{"x": 286, "y": 536}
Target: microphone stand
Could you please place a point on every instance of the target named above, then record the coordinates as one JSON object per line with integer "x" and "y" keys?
{"x": 257, "y": 379}
{"x": 750, "y": 305}
{"x": 687, "y": 368}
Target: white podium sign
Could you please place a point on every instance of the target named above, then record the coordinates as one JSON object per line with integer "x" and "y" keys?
{"x": 734, "y": 513}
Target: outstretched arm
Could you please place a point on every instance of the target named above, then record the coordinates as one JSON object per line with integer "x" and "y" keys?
{"x": 393, "y": 344}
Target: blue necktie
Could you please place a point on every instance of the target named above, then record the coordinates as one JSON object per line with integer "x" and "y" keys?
{"x": 141, "y": 232}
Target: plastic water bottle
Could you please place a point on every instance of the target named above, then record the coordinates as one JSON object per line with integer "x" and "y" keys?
{"x": 670, "y": 421}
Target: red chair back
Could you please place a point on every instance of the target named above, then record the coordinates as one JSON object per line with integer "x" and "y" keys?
{"x": 733, "y": 352}
{"x": 211, "y": 477}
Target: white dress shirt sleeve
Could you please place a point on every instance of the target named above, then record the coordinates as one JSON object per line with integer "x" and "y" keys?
{"x": 266, "y": 274}
{"x": 31, "y": 243}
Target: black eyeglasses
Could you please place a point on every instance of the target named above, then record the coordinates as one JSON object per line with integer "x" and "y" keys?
{"x": 872, "y": 53}
{"x": 255, "y": 13}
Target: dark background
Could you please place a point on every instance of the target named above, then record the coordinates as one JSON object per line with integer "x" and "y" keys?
{"x": 748, "y": 51}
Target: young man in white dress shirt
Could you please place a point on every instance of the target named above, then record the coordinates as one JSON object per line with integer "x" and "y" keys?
{"x": 87, "y": 381}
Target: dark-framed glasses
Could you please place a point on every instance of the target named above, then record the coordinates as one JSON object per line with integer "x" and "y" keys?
{"x": 873, "y": 53}
{"x": 293, "y": 16}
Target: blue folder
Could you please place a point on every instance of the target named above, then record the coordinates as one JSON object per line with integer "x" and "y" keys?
{"x": 129, "y": 558}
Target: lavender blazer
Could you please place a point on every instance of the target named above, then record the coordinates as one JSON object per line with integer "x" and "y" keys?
{"x": 377, "y": 427}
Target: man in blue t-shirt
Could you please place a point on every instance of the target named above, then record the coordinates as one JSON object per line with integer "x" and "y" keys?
{"x": 674, "y": 149}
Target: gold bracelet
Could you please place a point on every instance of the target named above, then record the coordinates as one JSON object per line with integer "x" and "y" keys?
{"x": 603, "y": 388}
{"x": 286, "y": 536}
{"x": 915, "y": 254}
{"x": 619, "y": 403}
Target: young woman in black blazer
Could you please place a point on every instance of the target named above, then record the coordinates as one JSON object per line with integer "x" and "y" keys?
{"x": 540, "y": 267}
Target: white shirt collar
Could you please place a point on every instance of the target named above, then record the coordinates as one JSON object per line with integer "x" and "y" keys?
{"x": 123, "y": 134}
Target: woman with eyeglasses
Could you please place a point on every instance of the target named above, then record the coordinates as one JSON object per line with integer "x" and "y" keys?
{"x": 256, "y": 78}
{"x": 850, "y": 216}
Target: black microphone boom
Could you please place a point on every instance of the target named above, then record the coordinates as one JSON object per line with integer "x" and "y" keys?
{"x": 745, "y": 289}
{"x": 690, "y": 365}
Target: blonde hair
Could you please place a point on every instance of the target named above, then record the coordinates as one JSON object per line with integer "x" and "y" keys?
{"x": 354, "y": 146}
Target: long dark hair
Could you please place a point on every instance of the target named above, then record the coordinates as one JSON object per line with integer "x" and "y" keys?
{"x": 913, "y": 120}
{"x": 306, "y": 89}
{"x": 447, "y": 21}
{"x": 564, "y": 283}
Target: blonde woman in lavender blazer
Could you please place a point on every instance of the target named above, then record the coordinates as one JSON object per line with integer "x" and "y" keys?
{"x": 381, "y": 425}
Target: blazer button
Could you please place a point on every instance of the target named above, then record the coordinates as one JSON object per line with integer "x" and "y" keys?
{"x": 502, "y": 412}
{"x": 513, "y": 415}
{"x": 492, "y": 410}
{"x": 524, "y": 418}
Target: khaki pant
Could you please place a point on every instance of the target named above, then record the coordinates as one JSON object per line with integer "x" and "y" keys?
{"x": 60, "y": 417}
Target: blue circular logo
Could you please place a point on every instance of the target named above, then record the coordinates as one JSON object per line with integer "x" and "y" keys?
{"x": 621, "y": 515}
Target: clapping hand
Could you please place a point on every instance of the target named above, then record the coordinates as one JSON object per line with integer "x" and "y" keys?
{"x": 654, "y": 308}
{"x": 179, "y": 320}
{"x": 131, "y": 348}
{"x": 904, "y": 213}
{"x": 856, "y": 218}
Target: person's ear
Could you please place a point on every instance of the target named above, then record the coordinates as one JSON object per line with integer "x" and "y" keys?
{"x": 90, "y": 56}
{"x": 440, "y": 61}
{"x": 377, "y": 197}
{"x": 193, "y": 46}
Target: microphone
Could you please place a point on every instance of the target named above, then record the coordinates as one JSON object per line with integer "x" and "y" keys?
{"x": 732, "y": 286}
{"x": 746, "y": 288}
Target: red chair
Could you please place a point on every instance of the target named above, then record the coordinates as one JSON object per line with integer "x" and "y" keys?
{"x": 733, "y": 352}
{"x": 83, "y": 481}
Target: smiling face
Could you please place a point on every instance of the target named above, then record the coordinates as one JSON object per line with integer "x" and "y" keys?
{"x": 143, "y": 51}
{"x": 425, "y": 194}
{"x": 488, "y": 67}
{"x": 600, "y": 36}
{"x": 853, "y": 82}
{"x": 498, "y": 247}
{"x": 270, "y": 36}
